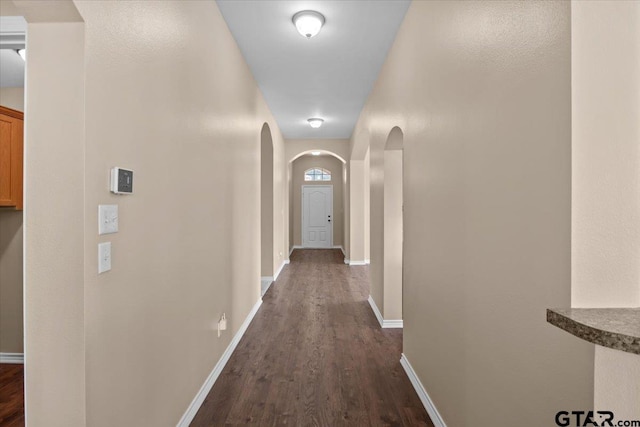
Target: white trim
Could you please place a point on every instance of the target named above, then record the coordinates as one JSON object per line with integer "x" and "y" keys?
{"x": 193, "y": 408}
{"x": 357, "y": 262}
{"x": 428, "y": 404}
{"x": 375, "y": 309}
{"x": 294, "y": 247}
{"x": 12, "y": 358}
{"x": 389, "y": 324}
{"x": 341, "y": 249}
{"x": 265, "y": 282}
{"x": 367, "y": 261}
{"x": 13, "y": 34}
{"x": 346, "y": 261}
{"x": 386, "y": 324}
{"x": 275, "y": 276}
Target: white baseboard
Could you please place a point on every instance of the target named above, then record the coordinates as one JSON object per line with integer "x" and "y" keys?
{"x": 375, "y": 309}
{"x": 341, "y": 249}
{"x": 386, "y": 324}
{"x": 346, "y": 261}
{"x": 390, "y": 324}
{"x": 293, "y": 248}
{"x": 351, "y": 262}
{"x": 367, "y": 261}
{"x": 215, "y": 373}
{"x": 17, "y": 358}
{"x": 422, "y": 393}
{"x": 265, "y": 282}
{"x": 275, "y": 276}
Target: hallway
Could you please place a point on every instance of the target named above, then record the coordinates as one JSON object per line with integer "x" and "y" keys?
{"x": 315, "y": 355}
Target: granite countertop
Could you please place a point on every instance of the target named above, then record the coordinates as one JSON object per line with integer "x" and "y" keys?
{"x": 617, "y": 328}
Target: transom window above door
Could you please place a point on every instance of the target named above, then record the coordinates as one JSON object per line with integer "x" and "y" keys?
{"x": 317, "y": 174}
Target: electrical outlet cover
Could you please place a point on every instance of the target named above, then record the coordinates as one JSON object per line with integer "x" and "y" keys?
{"x": 107, "y": 219}
{"x": 104, "y": 257}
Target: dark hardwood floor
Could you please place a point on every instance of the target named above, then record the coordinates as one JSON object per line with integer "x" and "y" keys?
{"x": 315, "y": 355}
{"x": 11, "y": 395}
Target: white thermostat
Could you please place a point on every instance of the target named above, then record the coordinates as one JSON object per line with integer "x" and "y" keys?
{"x": 121, "y": 181}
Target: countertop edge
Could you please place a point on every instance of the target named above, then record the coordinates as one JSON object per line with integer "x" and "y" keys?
{"x": 604, "y": 338}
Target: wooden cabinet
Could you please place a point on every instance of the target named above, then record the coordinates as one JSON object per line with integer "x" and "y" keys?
{"x": 11, "y": 155}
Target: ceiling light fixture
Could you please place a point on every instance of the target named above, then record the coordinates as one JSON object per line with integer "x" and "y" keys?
{"x": 22, "y": 53}
{"x": 308, "y": 22}
{"x": 315, "y": 122}
{"x": 315, "y": 153}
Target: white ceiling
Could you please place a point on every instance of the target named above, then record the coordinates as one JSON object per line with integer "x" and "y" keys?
{"x": 12, "y": 33}
{"x": 327, "y": 76}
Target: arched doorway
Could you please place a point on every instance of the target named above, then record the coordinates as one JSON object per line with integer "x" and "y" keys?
{"x": 312, "y": 169}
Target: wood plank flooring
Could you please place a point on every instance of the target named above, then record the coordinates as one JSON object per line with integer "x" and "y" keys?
{"x": 315, "y": 355}
{"x": 11, "y": 395}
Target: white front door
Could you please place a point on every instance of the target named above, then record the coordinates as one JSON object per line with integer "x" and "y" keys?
{"x": 317, "y": 216}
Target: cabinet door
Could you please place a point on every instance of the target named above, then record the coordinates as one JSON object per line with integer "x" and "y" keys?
{"x": 11, "y": 128}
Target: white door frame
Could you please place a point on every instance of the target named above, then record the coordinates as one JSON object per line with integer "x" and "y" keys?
{"x": 303, "y": 222}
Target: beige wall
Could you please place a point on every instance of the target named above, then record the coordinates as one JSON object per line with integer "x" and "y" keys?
{"x": 606, "y": 169}
{"x": 606, "y": 165}
{"x": 617, "y": 383}
{"x": 280, "y": 192}
{"x": 392, "y": 237}
{"x": 334, "y": 165}
{"x": 267, "y": 267}
{"x": 11, "y": 324}
{"x": 289, "y": 193}
{"x": 53, "y": 291}
{"x": 367, "y": 207}
{"x": 482, "y": 92}
{"x": 188, "y": 246}
{"x": 346, "y": 201}
{"x": 54, "y": 218}
{"x": 357, "y": 209}
{"x": 158, "y": 99}
{"x": 12, "y": 97}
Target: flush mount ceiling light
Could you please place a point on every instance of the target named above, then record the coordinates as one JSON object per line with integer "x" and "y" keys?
{"x": 308, "y": 22}
{"x": 315, "y": 122}
{"x": 22, "y": 53}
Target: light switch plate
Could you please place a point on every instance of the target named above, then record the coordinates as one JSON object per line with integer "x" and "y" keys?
{"x": 104, "y": 257}
{"x": 107, "y": 219}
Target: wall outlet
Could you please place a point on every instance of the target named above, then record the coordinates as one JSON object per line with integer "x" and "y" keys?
{"x": 222, "y": 324}
{"x": 104, "y": 257}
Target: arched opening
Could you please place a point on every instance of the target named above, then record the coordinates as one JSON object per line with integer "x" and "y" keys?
{"x": 321, "y": 152}
{"x": 393, "y": 226}
{"x": 323, "y": 174}
{"x": 266, "y": 208}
